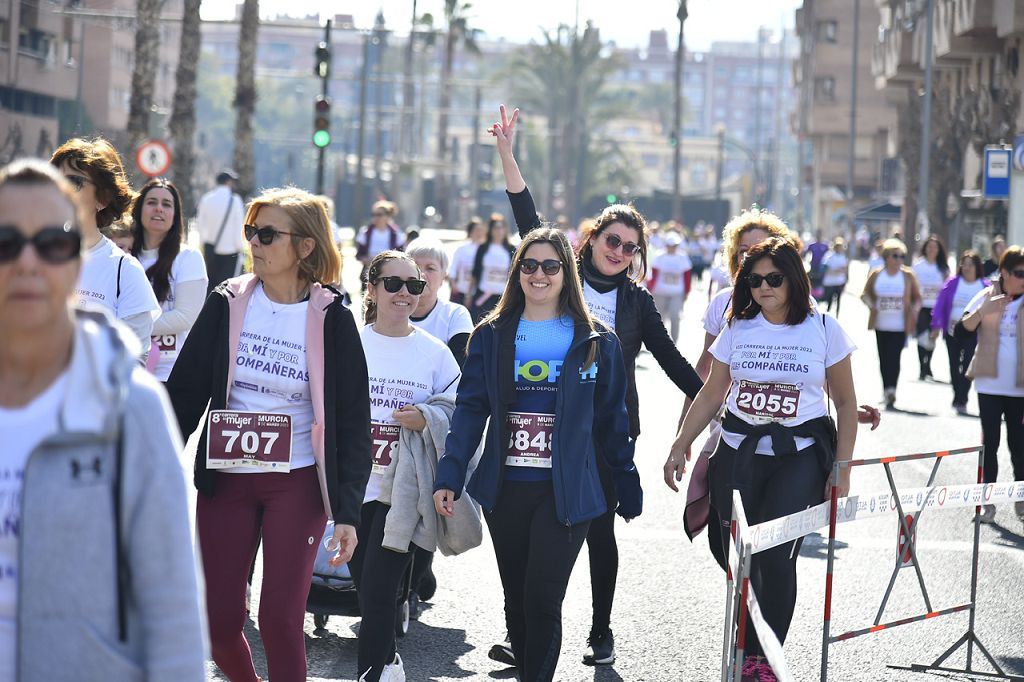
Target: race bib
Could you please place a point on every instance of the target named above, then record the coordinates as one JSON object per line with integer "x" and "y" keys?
{"x": 385, "y": 445}
{"x": 888, "y": 304}
{"x": 496, "y": 276}
{"x": 529, "y": 439}
{"x": 166, "y": 343}
{"x": 930, "y": 292}
{"x": 775, "y": 402}
{"x": 255, "y": 439}
{"x": 672, "y": 279}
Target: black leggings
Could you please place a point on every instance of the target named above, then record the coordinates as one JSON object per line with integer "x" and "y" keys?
{"x": 377, "y": 573}
{"x": 604, "y": 555}
{"x": 779, "y": 486}
{"x": 961, "y": 352}
{"x": 535, "y": 554}
{"x": 992, "y": 409}
{"x": 834, "y": 293}
{"x": 890, "y": 348}
{"x": 924, "y": 356}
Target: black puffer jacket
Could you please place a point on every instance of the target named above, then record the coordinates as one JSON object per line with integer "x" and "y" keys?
{"x": 637, "y": 320}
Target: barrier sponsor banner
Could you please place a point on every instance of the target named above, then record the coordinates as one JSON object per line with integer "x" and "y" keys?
{"x": 788, "y": 528}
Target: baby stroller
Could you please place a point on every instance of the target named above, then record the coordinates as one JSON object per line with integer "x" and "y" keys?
{"x": 332, "y": 592}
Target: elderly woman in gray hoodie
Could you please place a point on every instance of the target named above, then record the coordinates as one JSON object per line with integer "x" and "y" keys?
{"x": 97, "y": 574}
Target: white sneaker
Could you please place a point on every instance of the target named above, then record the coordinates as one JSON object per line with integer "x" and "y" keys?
{"x": 393, "y": 672}
{"x": 988, "y": 513}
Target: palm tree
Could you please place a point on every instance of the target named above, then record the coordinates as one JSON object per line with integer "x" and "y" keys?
{"x": 183, "y": 114}
{"x": 147, "y": 59}
{"x": 245, "y": 97}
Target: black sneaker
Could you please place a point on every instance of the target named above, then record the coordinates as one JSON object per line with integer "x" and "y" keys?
{"x": 502, "y": 653}
{"x": 427, "y": 586}
{"x": 600, "y": 649}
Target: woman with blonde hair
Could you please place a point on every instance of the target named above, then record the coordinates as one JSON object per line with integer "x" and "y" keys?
{"x": 286, "y": 444}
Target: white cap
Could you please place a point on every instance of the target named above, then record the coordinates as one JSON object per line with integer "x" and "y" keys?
{"x": 673, "y": 239}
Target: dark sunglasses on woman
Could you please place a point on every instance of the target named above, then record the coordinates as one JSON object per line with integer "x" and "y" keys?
{"x": 393, "y": 285}
{"x": 267, "y": 235}
{"x": 77, "y": 181}
{"x": 528, "y": 266}
{"x": 774, "y": 279}
{"x": 613, "y": 242}
{"x": 55, "y": 245}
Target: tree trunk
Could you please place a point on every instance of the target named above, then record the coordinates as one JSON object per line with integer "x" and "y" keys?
{"x": 147, "y": 59}
{"x": 183, "y": 115}
{"x": 442, "y": 124}
{"x": 245, "y": 97}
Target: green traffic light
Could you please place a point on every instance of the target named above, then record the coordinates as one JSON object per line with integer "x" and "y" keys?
{"x": 611, "y": 198}
{"x": 321, "y": 138}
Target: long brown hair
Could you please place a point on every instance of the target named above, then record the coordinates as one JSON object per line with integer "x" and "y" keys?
{"x": 570, "y": 300}
{"x": 628, "y": 216}
{"x": 373, "y": 272}
{"x": 159, "y": 273}
{"x": 783, "y": 255}
{"x": 98, "y": 159}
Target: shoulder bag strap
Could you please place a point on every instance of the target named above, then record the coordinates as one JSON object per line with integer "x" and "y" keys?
{"x": 224, "y": 222}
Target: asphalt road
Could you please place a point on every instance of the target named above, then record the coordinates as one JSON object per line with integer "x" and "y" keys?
{"x": 669, "y": 609}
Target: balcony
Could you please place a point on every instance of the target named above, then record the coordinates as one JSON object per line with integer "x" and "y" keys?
{"x": 893, "y": 58}
{"x": 1008, "y": 17}
{"x": 973, "y": 18}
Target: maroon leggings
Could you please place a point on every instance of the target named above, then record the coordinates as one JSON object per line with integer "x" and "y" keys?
{"x": 293, "y": 523}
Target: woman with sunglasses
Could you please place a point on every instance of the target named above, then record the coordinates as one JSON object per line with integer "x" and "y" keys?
{"x": 932, "y": 271}
{"x": 893, "y": 295}
{"x": 612, "y": 260}
{"x": 110, "y": 278}
{"x": 382, "y": 234}
{"x": 998, "y": 368}
{"x": 550, "y": 381}
{"x": 285, "y": 445}
{"x": 771, "y": 365}
{"x": 490, "y": 267}
{"x": 89, "y": 460}
{"x": 411, "y": 373}
{"x": 176, "y": 270}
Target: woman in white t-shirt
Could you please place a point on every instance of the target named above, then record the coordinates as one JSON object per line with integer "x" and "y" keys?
{"x": 490, "y": 268}
{"x": 998, "y": 368}
{"x": 407, "y": 369}
{"x": 460, "y": 272}
{"x": 837, "y": 272}
{"x": 446, "y": 321}
{"x": 176, "y": 270}
{"x": 771, "y": 365}
{"x": 932, "y": 271}
{"x": 670, "y": 282}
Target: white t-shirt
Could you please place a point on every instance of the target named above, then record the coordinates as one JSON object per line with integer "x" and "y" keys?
{"x": 403, "y": 371}
{"x": 890, "y": 316}
{"x": 714, "y": 316}
{"x": 24, "y": 428}
{"x": 380, "y": 241}
{"x": 271, "y": 374}
{"x": 1005, "y": 381}
{"x": 98, "y": 282}
{"x": 835, "y": 269}
{"x": 964, "y": 294}
{"x": 497, "y": 261}
{"x": 671, "y": 268}
{"x": 708, "y": 246}
{"x": 778, "y": 371}
{"x": 189, "y": 266}
{"x": 460, "y": 270}
{"x": 931, "y": 280}
{"x": 602, "y": 306}
{"x": 445, "y": 321}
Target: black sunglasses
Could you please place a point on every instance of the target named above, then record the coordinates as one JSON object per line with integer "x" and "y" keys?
{"x": 77, "y": 181}
{"x": 613, "y": 241}
{"x": 393, "y": 285}
{"x": 774, "y": 279}
{"x": 528, "y": 266}
{"x": 897, "y": 256}
{"x": 266, "y": 234}
{"x": 1019, "y": 274}
{"x": 55, "y": 245}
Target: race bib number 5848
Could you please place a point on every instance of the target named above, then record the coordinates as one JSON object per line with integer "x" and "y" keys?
{"x": 776, "y": 402}
{"x": 248, "y": 439}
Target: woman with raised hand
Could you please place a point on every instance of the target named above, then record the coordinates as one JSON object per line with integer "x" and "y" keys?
{"x": 949, "y": 308}
{"x": 772, "y": 363}
{"x": 550, "y": 381}
{"x": 175, "y": 269}
{"x": 285, "y": 446}
{"x": 612, "y": 260}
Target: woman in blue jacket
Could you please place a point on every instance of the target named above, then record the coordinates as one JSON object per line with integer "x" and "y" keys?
{"x": 553, "y": 384}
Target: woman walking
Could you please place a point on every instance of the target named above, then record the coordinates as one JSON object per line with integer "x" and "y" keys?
{"x": 837, "y": 272}
{"x": 278, "y": 359}
{"x": 490, "y": 268}
{"x": 175, "y": 269}
{"x": 778, "y": 443}
{"x": 949, "y": 308}
{"x": 932, "y": 271}
{"x": 460, "y": 273}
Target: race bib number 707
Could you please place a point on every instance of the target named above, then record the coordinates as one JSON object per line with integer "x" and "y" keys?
{"x": 256, "y": 439}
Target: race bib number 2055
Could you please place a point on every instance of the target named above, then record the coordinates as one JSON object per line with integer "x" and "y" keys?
{"x": 768, "y": 400}
{"x": 256, "y": 439}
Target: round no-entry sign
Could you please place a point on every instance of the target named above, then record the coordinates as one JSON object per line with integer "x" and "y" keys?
{"x": 153, "y": 158}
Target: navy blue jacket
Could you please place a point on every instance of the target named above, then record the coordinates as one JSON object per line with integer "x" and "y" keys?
{"x": 590, "y": 409}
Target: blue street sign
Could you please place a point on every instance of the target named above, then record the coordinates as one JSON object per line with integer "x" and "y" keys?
{"x": 997, "y": 172}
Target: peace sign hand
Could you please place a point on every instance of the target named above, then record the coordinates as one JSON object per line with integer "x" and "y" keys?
{"x": 505, "y": 131}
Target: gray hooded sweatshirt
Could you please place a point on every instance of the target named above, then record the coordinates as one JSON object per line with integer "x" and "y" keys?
{"x": 107, "y": 578}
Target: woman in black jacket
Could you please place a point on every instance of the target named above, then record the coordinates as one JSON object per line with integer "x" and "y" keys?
{"x": 612, "y": 255}
{"x": 286, "y": 445}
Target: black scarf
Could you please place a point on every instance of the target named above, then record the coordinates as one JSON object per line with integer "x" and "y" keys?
{"x": 600, "y": 283}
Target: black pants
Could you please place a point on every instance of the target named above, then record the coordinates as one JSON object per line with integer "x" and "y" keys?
{"x": 477, "y": 312}
{"x": 604, "y": 555}
{"x": 779, "y": 486}
{"x": 377, "y": 573}
{"x": 992, "y": 409}
{"x": 924, "y": 356}
{"x": 961, "y": 352}
{"x": 890, "y": 348}
{"x": 535, "y": 554}
{"x": 219, "y": 266}
{"x": 834, "y": 294}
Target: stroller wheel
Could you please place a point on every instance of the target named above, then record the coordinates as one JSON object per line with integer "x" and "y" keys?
{"x": 402, "y": 619}
{"x": 319, "y": 622}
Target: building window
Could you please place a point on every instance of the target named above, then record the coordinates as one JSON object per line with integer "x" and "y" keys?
{"x": 828, "y": 31}
{"x": 825, "y": 89}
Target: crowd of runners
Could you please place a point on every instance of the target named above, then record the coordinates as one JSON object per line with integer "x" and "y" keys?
{"x": 490, "y": 386}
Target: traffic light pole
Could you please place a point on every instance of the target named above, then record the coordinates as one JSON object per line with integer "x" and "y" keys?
{"x": 322, "y": 151}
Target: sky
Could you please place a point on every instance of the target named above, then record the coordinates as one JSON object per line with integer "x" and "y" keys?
{"x": 521, "y": 20}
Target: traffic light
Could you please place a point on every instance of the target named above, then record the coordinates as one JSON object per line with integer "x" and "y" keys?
{"x": 322, "y": 68}
{"x": 322, "y": 122}
{"x": 612, "y": 199}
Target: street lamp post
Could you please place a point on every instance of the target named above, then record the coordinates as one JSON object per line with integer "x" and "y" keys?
{"x": 677, "y": 119}
{"x": 926, "y": 129}
{"x": 853, "y": 119}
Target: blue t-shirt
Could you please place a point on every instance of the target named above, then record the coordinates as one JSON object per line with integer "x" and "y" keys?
{"x": 540, "y": 351}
